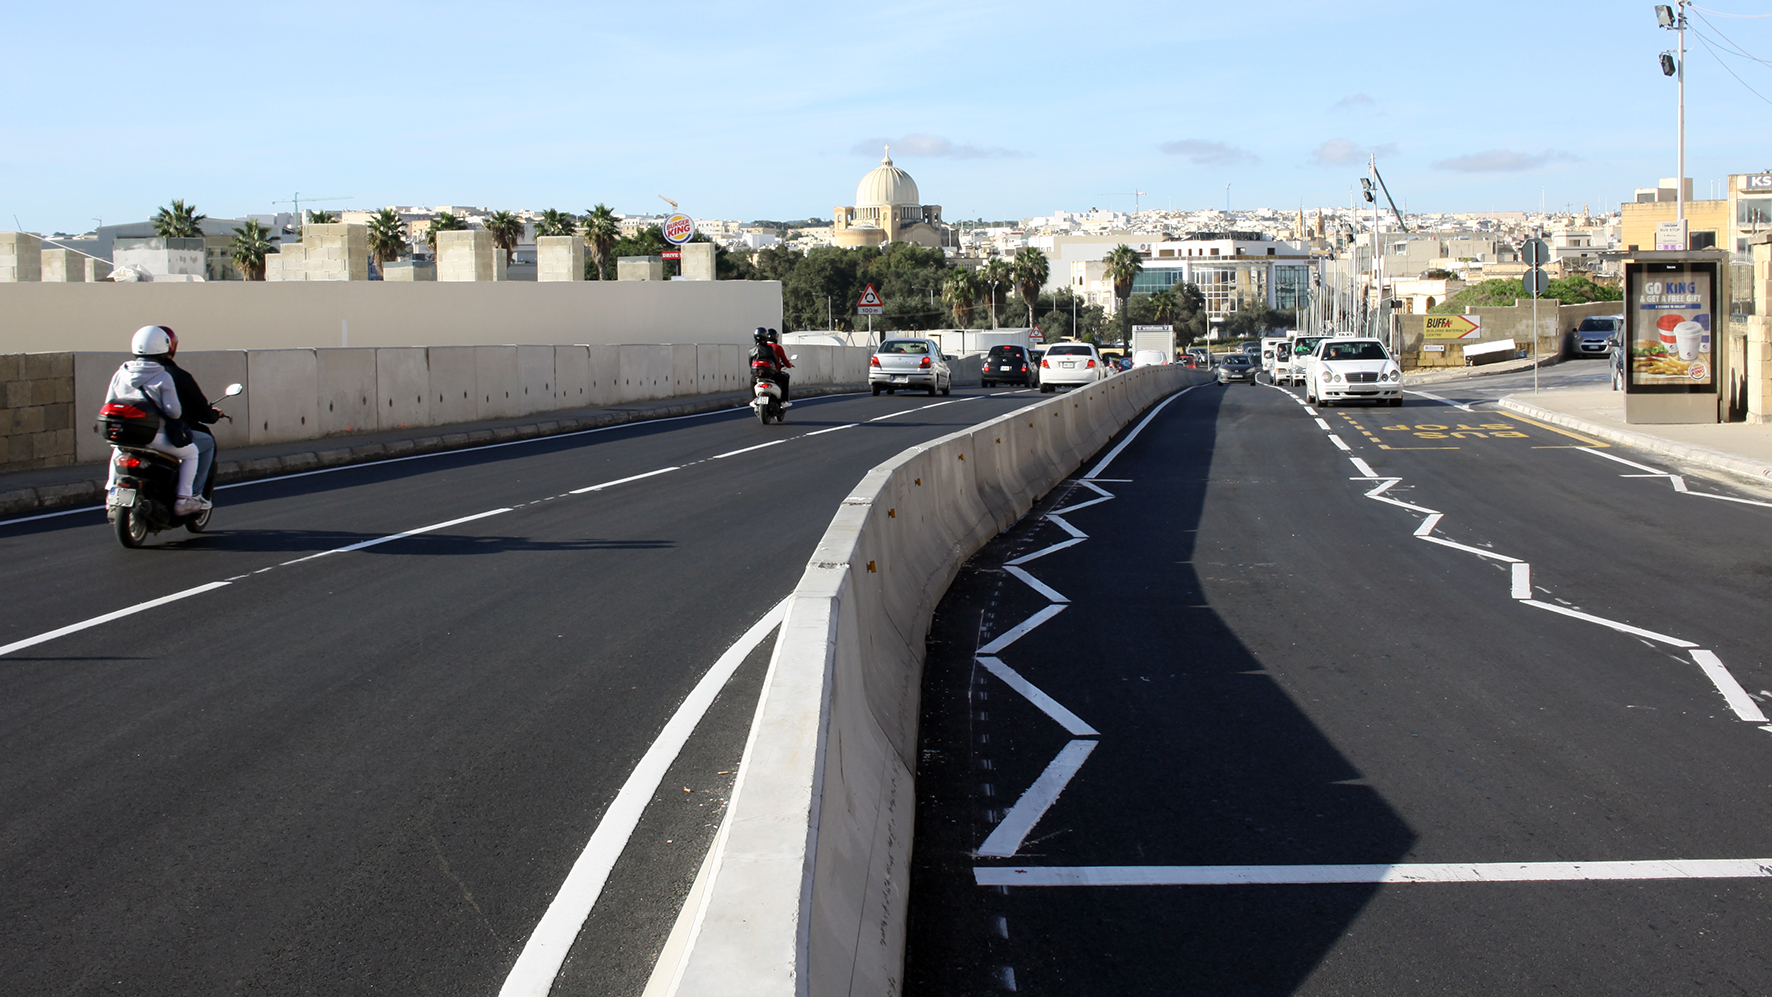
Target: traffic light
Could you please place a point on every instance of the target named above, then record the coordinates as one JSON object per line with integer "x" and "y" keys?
{"x": 1668, "y": 66}
{"x": 1366, "y": 187}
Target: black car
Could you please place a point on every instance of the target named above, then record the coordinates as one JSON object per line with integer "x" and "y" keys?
{"x": 1237, "y": 367}
{"x": 1009, "y": 365}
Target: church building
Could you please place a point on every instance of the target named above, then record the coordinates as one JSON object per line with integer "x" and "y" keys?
{"x": 886, "y": 209}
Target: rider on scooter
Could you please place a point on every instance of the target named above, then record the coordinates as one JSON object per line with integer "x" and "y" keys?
{"x": 199, "y": 414}
{"x": 782, "y": 363}
{"x": 770, "y": 352}
{"x": 145, "y": 379}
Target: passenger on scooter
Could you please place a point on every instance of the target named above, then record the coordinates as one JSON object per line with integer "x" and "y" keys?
{"x": 782, "y": 363}
{"x": 199, "y": 414}
{"x": 770, "y": 353}
{"x": 145, "y": 380}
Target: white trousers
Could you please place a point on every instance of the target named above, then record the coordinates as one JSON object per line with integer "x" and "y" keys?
{"x": 187, "y": 463}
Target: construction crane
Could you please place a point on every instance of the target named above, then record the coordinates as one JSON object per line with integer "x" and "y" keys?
{"x": 297, "y": 199}
{"x": 1134, "y": 194}
{"x": 670, "y": 202}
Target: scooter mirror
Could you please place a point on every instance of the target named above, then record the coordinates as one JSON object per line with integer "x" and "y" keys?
{"x": 793, "y": 356}
{"x": 234, "y": 389}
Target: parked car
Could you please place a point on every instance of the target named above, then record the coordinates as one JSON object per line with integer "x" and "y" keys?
{"x": 1593, "y": 337}
{"x": 1070, "y": 364}
{"x": 1346, "y": 370}
{"x": 1008, "y": 365}
{"x": 908, "y": 364}
{"x": 1238, "y": 367}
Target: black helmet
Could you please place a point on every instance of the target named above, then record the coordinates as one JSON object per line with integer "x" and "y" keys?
{"x": 774, "y": 337}
{"x": 761, "y": 335}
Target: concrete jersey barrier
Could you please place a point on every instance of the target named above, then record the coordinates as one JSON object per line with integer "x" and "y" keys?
{"x": 805, "y": 892}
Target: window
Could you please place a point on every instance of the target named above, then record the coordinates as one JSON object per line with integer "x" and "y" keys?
{"x": 914, "y": 346}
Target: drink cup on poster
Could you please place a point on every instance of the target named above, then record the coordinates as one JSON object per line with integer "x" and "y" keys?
{"x": 1664, "y": 327}
{"x": 1688, "y": 337}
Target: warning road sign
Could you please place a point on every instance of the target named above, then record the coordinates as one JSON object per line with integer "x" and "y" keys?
{"x": 870, "y": 303}
{"x": 1454, "y": 327}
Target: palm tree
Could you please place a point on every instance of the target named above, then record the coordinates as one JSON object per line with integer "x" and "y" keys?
{"x": 444, "y": 222}
{"x": 959, "y": 290}
{"x": 556, "y": 223}
{"x": 387, "y": 237}
{"x": 1123, "y": 264}
{"x": 249, "y": 247}
{"x": 506, "y": 229}
{"x": 179, "y": 221}
{"x": 996, "y": 276}
{"x": 1165, "y": 305}
{"x": 1031, "y": 271}
{"x": 601, "y": 230}
{"x": 322, "y": 217}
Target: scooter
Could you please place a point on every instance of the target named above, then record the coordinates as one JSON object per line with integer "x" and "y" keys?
{"x": 145, "y": 485}
{"x": 766, "y": 394}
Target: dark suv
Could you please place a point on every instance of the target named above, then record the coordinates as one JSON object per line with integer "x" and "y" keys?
{"x": 1008, "y": 365}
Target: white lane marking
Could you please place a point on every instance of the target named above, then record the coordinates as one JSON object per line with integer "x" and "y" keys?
{"x": 1115, "y": 452}
{"x": 1323, "y": 424}
{"x": 908, "y": 411}
{"x": 1079, "y": 505}
{"x": 1480, "y": 552}
{"x": 1443, "y": 401}
{"x": 833, "y": 429}
{"x": 1678, "y": 481}
{"x": 1522, "y": 579}
{"x": 1309, "y": 409}
{"x": 1621, "y": 460}
{"x": 1338, "y": 442}
{"x": 19, "y": 645}
{"x": 1602, "y": 621}
{"x": 1428, "y": 524}
{"x": 1092, "y": 482}
{"x": 1022, "y": 629}
{"x": 1035, "y": 584}
{"x": 544, "y": 952}
{"x": 1737, "y": 697}
{"x": 735, "y": 453}
{"x": 1378, "y": 495}
{"x": 1731, "y": 498}
{"x": 398, "y": 536}
{"x": 622, "y": 481}
{"x": 1006, "y": 839}
{"x": 1065, "y": 525}
{"x": 1363, "y": 467}
{"x": 1411, "y": 872}
{"x": 1042, "y": 552}
{"x": 1049, "y": 706}
{"x": 52, "y": 515}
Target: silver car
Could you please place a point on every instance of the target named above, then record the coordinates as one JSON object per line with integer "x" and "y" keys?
{"x": 909, "y": 364}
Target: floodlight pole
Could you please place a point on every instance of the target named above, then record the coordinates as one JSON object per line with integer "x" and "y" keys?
{"x": 1680, "y": 178}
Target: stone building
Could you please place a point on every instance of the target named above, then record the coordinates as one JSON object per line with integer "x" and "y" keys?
{"x": 887, "y": 208}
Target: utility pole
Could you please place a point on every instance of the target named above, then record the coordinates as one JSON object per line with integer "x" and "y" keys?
{"x": 1673, "y": 18}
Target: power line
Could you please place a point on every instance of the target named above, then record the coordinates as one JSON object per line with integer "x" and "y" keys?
{"x": 1713, "y": 53}
{"x": 1720, "y": 13}
{"x": 1731, "y": 42}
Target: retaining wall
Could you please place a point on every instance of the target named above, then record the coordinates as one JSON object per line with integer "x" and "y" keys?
{"x": 36, "y": 410}
{"x": 309, "y": 394}
{"x": 805, "y": 891}
{"x": 1555, "y": 322}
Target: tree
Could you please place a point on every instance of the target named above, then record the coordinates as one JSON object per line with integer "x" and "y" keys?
{"x": 249, "y": 248}
{"x": 1031, "y": 271}
{"x": 444, "y": 222}
{"x": 387, "y": 237}
{"x": 1190, "y": 322}
{"x": 1253, "y": 322}
{"x": 507, "y": 230}
{"x": 1165, "y": 305}
{"x": 179, "y": 221}
{"x": 996, "y": 276}
{"x": 601, "y": 230}
{"x": 555, "y": 222}
{"x": 1123, "y": 264}
{"x": 322, "y": 217}
{"x": 960, "y": 290}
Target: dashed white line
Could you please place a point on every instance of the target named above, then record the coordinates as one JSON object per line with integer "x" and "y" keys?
{"x": 1733, "y": 694}
{"x": 1363, "y": 467}
{"x": 1522, "y": 580}
{"x": 735, "y": 453}
{"x": 398, "y": 536}
{"x": 1005, "y": 840}
{"x": 140, "y": 607}
{"x": 1323, "y": 424}
{"x": 1339, "y": 442}
{"x": 1602, "y": 621}
{"x": 622, "y": 481}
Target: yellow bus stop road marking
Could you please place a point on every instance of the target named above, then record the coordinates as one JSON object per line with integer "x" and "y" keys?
{"x": 1585, "y": 441}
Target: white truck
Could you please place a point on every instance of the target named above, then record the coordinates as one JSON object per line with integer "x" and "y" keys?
{"x": 1154, "y": 337}
{"x": 1276, "y": 357}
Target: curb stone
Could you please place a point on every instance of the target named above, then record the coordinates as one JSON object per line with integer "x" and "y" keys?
{"x": 49, "y": 498}
{"x": 1690, "y": 453}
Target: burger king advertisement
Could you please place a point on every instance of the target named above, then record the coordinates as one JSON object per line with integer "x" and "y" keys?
{"x": 1671, "y": 344}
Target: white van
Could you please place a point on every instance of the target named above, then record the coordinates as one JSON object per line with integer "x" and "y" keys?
{"x": 1273, "y": 353}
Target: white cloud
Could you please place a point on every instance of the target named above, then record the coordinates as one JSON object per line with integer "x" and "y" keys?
{"x": 1501, "y": 161}
{"x": 919, "y": 144}
{"x": 1203, "y": 153}
{"x": 1349, "y": 103}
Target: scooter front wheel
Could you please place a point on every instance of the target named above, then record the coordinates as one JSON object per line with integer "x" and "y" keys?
{"x": 763, "y": 414}
{"x": 131, "y": 525}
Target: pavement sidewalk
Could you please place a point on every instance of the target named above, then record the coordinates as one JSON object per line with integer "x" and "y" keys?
{"x": 1737, "y": 447}
{"x": 46, "y": 489}
{"x": 1435, "y": 375}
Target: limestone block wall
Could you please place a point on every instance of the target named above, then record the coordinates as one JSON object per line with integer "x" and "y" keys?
{"x": 63, "y": 266}
{"x": 337, "y": 251}
{"x": 559, "y": 257}
{"x": 408, "y": 270}
{"x": 1759, "y": 338}
{"x": 21, "y": 257}
{"x": 639, "y": 268}
{"x": 468, "y": 256}
{"x": 36, "y": 410}
{"x": 698, "y": 261}
{"x": 96, "y": 270}
{"x": 288, "y": 263}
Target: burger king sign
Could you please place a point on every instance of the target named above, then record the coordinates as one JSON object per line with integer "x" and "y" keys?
{"x": 679, "y": 229}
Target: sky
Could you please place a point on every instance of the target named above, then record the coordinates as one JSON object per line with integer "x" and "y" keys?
{"x": 775, "y": 110}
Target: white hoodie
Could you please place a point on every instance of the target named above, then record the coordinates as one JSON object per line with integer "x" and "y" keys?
{"x": 142, "y": 378}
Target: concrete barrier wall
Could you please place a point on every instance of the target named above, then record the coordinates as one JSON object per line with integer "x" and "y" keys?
{"x": 805, "y": 894}
{"x": 309, "y": 394}
{"x": 255, "y": 315}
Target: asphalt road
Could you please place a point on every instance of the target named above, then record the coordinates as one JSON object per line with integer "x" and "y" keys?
{"x": 1265, "y": 692}
{"x": 370, "y": 771}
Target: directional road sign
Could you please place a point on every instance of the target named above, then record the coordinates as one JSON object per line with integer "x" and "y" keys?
{"x": 1453, "y": 327}
{"x": 870, "y": 303}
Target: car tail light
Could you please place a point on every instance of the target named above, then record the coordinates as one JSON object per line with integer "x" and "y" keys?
{"x": 925, "y": 363}
{"x": 1044, "y": 362}
{"x": 1089, "y": 364}
{"x": 1024, "y": 368}
{"x": 873, "y": 361}
{"x": 122, "y": 411}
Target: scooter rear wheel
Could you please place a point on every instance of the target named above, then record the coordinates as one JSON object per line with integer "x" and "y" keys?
{"x": 763, "y": 414}
{"x": 199, "y": 522}
{"x": 130, "y": 525}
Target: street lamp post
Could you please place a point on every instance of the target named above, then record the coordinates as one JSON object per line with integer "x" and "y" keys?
{"x": 1673, "y": 18}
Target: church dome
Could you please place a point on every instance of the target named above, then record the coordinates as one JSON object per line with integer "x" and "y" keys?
{"x": 886, "y": 186}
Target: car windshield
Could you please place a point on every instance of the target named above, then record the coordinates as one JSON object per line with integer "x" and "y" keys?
{"x": 1005, "y": 351}
{"x": 916, "y": 346}
{"x": 1303, "y": 347}
{"x": 1353, "y": 351}
{"x": 1237, "y": 360}
{"x": 1067, "y": 351}
{"x": 1596, "y": 325}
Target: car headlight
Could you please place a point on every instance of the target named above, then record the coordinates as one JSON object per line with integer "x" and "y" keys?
{"x": 1394, "y": 375}
{"x": 1337, "y": 379}
{"x": 1326, "y": 375}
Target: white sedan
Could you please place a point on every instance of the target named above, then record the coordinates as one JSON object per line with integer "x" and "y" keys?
{"x": 909, "y": 365}
{"x": 1353, "y": 370}
{"x": 1069, "y": 365}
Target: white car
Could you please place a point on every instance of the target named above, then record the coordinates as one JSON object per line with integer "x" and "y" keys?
{"x": 1353, "y": 370}
{"x": 1150, "y": 358}
{"x": 910, "y": 364}
{"x": 1067, "y": 365}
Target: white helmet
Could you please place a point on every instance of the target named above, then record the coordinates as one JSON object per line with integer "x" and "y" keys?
{"x": 150, "y": 341}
